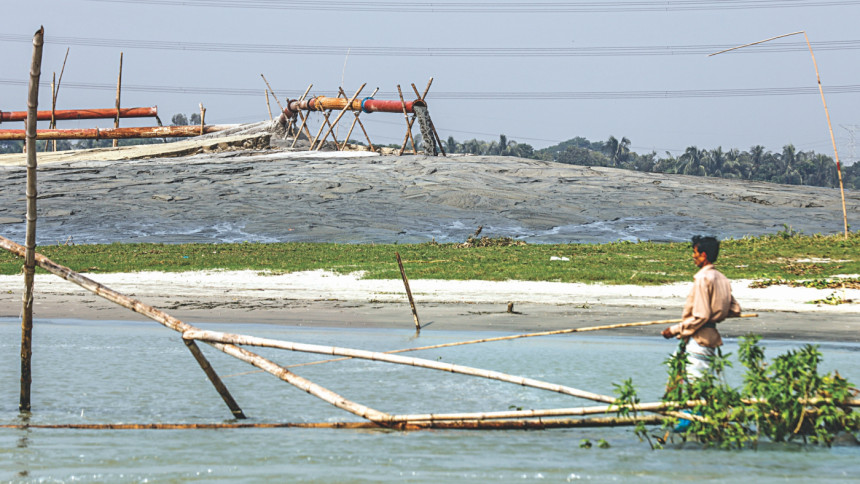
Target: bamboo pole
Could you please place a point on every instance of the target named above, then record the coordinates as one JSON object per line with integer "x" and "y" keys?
{"x": 54, "y": 93}
{"x": 303, "y": 124}
{"x": 273, "y": 92}
{"x": 340, "y": 115}
{"x": 288, "y": 131}
{"x": 408, "y": 293}
{"x": 216, "y": 381}
{"x": 525, "y": 335}
{"x": 202, "y": 119}
{"x": 408, "y": 125}
{"x": 268, "y": 106}
{"x": 118, "y": 90}
{"x": 465, "y": 425}
{"x": 30, "y": 234}
{"x": 216, "y": 337}
{"x": 53, "y": 111}
{"x": 826, "y": 112}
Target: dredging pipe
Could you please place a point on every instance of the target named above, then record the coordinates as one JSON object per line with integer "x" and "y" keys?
{"x": 109, "y": 113}
{"x": 322, "y": 103}
{"x": 116, "y": 133}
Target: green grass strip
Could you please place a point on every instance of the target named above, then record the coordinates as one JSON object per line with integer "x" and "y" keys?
{"x": 781, "y": 257}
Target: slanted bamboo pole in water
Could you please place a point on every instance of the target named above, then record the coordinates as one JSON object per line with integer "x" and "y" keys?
{"x": 408, "y": 293}
{"x": 244, "y": 340}
{"x": 215, "y": 379}
{"x": 30, "y": 235}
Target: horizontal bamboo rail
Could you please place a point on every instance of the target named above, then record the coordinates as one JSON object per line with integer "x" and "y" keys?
{"x": 65, "y": 114}
{"x": 238, "y": 339}
{"x": 532, "y": 424}
{"x": 116, "y": 133}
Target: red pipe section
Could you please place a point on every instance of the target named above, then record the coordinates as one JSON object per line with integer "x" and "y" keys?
{"x": 115, "y": 133}
{"x": 109, "y": 113}
{"x": 322, "y": 103}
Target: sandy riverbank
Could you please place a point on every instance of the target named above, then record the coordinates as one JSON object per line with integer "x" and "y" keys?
{"x": 328, "y": 300}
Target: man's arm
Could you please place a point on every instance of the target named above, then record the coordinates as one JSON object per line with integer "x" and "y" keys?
{"x": 700, "y": 314}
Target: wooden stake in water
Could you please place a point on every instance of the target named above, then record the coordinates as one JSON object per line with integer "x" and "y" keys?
{"x": 408, "y": 293}
{"x": 30, "y": 235}
{"x": 118, "y": 90}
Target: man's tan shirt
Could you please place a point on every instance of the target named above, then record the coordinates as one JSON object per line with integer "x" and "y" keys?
{"x": 710, "y": 300}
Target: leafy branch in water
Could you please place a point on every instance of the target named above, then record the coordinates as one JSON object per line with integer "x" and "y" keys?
{"x": 782, "y": 401}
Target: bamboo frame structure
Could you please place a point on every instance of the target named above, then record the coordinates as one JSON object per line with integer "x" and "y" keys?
{"x": 30, "y": 234}
{"x": 826, "y": 112}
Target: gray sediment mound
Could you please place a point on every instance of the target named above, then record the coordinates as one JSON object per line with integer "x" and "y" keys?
{"x": 245, "y": 185}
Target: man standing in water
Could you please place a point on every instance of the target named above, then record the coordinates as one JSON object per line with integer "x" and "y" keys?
{"x": 709, "y": 302}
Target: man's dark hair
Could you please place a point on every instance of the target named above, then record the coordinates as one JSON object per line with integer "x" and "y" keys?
{"x": 709, "y": 245}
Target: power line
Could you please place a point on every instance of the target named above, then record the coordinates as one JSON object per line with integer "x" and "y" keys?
{"x": 495, "y": 7}
{"x": 385, "y": 51}
{"x": 481, "y": 95}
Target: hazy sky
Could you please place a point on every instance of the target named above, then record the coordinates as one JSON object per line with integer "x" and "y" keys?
{"x": 539, "y": 73}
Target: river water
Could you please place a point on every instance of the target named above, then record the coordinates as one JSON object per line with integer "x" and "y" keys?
{"x": 139, "y": 372}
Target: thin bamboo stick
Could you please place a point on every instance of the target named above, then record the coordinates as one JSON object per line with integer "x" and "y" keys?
{"x": 268, "y": 106}
{"x": 408, "y": 293}
{"x": 54, "y": 93}
{"x": 826, "y": 112}
{"x": 832, "y": 138}
{"x": 525, "y": 335}
{"x": 118, "y": 89}
{"x": 30, "y": 231}
{"x": 53, "y": 110}
{"x": 273, "y": 92}
{"x": 340, "y": 115}
{"x": 215, "y": 337}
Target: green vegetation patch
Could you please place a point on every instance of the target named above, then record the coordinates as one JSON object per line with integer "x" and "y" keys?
{"x": 645, "y": 263}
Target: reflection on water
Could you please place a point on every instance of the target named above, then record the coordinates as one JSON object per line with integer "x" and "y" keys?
{"x": 129, "y": 372}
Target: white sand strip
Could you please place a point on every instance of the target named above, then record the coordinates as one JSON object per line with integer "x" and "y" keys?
{"x": 323, "y": 285}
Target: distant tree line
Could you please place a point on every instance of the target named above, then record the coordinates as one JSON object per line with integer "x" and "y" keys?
{"x": 791, "y": 167}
